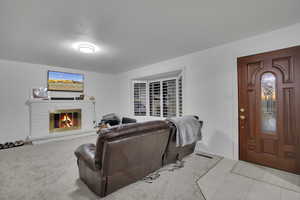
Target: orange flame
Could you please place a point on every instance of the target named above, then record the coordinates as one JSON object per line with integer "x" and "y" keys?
{"x": 66, "y": 121}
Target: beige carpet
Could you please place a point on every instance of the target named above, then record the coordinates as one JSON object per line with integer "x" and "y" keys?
{"x": 49, "y": 171}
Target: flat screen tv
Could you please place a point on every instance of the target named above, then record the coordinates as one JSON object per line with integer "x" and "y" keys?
{"x": 63, "y": 81}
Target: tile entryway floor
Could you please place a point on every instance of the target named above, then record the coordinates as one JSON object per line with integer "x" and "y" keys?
{"x": 237, "y": 180}
{"x": 268, "y": 175}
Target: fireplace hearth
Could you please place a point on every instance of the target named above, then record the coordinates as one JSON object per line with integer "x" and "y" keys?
{"x": 65, "y": 120}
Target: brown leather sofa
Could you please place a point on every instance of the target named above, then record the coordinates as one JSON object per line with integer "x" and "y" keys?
{"x": 127, "y": 153}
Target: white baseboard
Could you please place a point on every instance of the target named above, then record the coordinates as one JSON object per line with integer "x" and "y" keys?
{"x": 61, "y": 137}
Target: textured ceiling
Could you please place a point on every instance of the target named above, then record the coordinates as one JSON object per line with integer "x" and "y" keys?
{"x": 132, "y": 33}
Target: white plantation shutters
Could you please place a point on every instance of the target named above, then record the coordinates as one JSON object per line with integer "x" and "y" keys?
{"x": 180, "y": 96}
{"x": 169, "y": 98}
{"x": 159, "y": 97}
{"x": 140, "y": 100}
{"x": 155, "y": 98}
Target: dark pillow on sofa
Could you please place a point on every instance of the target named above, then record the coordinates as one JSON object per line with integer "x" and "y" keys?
{"x": 127, "y": 120}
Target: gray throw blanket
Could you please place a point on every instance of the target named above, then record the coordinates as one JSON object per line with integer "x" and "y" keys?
{"x": 188, "y": 130}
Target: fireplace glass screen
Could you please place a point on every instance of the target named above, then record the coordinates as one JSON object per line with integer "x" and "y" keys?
{"x": 64, "y": 120}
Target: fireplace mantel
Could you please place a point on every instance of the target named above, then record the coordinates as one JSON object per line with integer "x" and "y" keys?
{"x": 39, "y": 111}
{"x": 31, "y": 101}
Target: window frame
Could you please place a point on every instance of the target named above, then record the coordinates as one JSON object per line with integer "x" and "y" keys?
{"x": 161, "y": 94}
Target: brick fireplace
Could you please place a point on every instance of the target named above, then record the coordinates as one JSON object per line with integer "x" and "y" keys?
{"x": 65, "y": 120}
{"x": 54, "y": 119}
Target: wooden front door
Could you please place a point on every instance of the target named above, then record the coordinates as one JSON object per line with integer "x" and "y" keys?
{"x": 269, "y": 105}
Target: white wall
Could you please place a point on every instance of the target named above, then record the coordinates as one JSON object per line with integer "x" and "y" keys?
{"x": 16, "y": 81}
{"x": 210, "y": 89}
{"x": 211, "y": 85}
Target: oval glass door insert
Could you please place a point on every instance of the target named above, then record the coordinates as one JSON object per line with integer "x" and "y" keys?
{"x": 268, "y": 103}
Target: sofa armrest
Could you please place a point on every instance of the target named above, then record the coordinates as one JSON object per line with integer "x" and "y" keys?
{"x": 86, "y": 152}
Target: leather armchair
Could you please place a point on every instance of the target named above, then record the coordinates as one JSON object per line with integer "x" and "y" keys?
{"x": 122, "y": 155}
{"x": 125, "y": 154}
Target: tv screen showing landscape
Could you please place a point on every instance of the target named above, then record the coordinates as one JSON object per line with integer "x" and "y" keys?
{"x": 62, "y": 81}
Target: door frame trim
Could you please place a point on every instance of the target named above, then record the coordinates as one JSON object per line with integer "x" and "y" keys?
{"x": 242, "y": 154}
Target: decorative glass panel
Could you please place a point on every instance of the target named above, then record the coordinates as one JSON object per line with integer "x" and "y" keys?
{"x": 268, "y": 103}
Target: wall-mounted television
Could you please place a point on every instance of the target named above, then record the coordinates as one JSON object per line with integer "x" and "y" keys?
{"x": 64, "y": 81}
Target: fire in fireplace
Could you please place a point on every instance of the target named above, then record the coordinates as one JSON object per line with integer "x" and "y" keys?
{"x": 64, "y": 120}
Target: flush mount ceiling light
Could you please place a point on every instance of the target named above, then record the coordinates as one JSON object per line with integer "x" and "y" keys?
{"x": 86, "y": 47}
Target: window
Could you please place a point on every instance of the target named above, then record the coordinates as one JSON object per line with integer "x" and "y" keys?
{"x": 268, "y": 103}
{"x": 159, "y": 98}
{"x": 154, "y": 98}
{"x": 169, "y": 98}
{"x": 140, "y": 99}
